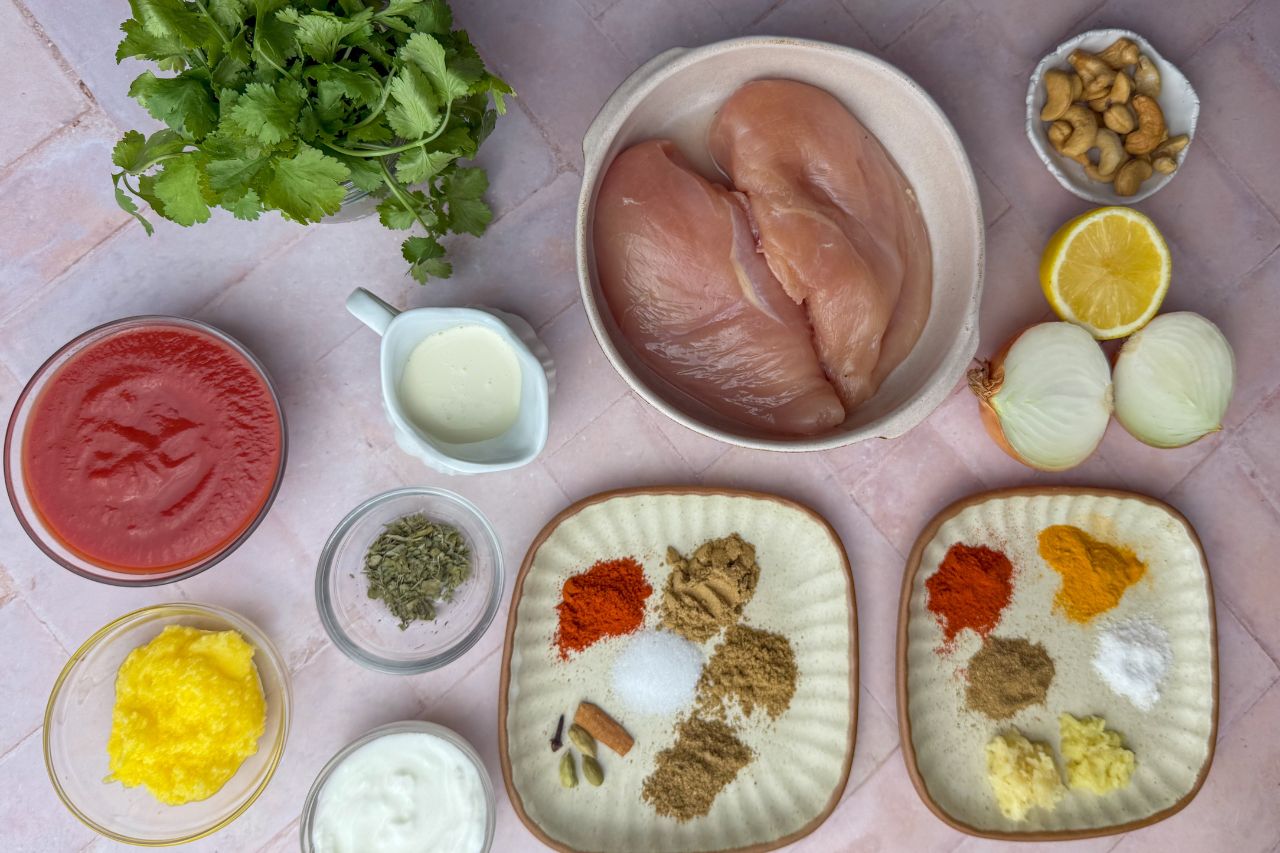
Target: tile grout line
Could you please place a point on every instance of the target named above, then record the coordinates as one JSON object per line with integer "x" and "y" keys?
{"x": 1249, "y": 188}
{"x": 8, "y": 170}
{"x": 911, "y": 26}
{"x": 8, "y": 753}
{"x": 68, "y": 70}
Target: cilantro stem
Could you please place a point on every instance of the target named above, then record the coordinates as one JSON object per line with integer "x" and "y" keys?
{"x": 399, "y": 193}
{"x": 382, "y": 152}
{"x": 382, "y": 103}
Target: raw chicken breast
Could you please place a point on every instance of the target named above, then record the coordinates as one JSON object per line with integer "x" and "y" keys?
{"x": 677, "y": 261}
{"x": 838, "y": 224}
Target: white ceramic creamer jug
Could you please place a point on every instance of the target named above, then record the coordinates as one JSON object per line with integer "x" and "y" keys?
{"x": 402, "y": 331}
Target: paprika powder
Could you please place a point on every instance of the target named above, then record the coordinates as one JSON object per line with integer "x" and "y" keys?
{"x": 607, "y": 600}
{"x": 970, "y": 589}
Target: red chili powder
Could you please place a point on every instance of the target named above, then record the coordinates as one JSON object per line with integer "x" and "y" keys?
{"x": 607, "y": 600}
{"x": 970, "y": 590}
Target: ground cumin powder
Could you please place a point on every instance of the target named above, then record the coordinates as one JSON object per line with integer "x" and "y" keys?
{"x": 1007, "y": 675}
{"x": 751, "y": 667}
{"x": 690, "y": 774}
{"x": 707, "y": 591}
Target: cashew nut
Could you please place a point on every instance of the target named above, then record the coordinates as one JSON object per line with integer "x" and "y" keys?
{"x": 1084, "y": 127}
{"x": 1121, "y": 53}
{"x": 1077, "y": 87}
{"x": 1172, "y": 146}
{"x": 1130, "y": 176}
{"x": 1120, "y": 118}
{"x": 1096, "y": 75}
{"x": 1151, "y": 128}
{"x": 1111, "y": 153}
{"x": 1146, "y": 78}
{"x": 1058, "y": 133}
{"x": 1058, "y": 86}
{"x": 1164, "y": 165}
{"x": 1119, "y": 94}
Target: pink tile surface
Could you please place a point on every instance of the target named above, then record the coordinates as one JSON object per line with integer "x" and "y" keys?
{"x": 69, "y": 260}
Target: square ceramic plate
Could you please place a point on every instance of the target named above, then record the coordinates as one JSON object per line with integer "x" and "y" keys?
{"x": 943, "y": 742}
{"x": 801, "y": 760}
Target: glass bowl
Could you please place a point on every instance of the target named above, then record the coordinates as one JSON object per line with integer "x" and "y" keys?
{"x": 306, "y": 823}
{"x": 20, "y": 498}
{"x": 364, "y": 628}
{"x": 77, "y": 724}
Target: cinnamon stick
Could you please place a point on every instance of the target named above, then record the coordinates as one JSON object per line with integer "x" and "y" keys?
{"x": 603, "y": 728}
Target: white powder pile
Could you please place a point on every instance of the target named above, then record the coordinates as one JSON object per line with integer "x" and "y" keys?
{"x": 657, "y": 673}
{"x": 1133, "y": 657}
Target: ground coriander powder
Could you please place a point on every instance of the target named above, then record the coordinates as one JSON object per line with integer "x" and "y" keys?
{"x": 690, "y": 774}
{"x": 1007, "y": 675}
{"x": 754, "y": 668}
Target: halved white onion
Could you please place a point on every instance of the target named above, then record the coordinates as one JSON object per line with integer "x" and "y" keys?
{"x": 1046, "y": 396}
{"x": 1174, "y": 380}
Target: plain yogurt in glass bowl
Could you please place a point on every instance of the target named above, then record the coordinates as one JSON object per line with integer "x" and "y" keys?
{"x": 408, "y": 787}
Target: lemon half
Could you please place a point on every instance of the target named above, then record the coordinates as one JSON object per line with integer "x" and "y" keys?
{"x": 1106, "y": 270}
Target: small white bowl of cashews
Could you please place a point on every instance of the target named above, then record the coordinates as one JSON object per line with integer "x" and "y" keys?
{"x": 1110, "y": 117}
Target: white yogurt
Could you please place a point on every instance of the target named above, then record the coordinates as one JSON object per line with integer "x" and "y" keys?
{"x": 462, "y": 385}
{"x": 409, "y": 792}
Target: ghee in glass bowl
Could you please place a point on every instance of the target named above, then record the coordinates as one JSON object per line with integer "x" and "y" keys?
{"x": 189, "y": 710}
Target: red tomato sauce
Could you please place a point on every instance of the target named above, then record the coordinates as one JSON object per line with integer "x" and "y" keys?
{"x": 152, "y": 449}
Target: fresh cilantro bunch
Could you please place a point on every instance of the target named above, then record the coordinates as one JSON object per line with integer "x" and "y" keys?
{"x": 279, "y": 104}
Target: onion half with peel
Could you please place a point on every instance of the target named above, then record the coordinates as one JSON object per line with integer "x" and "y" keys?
{"x": 1046, "y": 396}
{"x": 1174, "y": 380}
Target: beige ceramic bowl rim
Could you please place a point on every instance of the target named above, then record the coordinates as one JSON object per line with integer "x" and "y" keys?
{"x": 619, "y": 106}
{"x": 260, "y": 642}
{"x": 914, "y": 564}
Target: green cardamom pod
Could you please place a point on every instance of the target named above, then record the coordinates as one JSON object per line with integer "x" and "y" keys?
{"x": 568, "y": 774}
{"x": 591, "y": 769}
{"x": 582, "y": 739}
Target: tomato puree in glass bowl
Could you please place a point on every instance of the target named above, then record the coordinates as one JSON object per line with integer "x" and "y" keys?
{"x": 153, "y": 448}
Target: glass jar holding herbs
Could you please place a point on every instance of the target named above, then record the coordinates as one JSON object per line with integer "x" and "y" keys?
{"x": 409, "y": 580}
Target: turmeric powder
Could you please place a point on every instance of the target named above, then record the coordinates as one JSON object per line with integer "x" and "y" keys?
{"x": 1094, "y": 574}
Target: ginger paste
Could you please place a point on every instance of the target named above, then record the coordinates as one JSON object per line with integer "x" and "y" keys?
{"x": 1022, "y": 775}
{"x": 1095, "y": 759}
{"x": 189, "y": 710}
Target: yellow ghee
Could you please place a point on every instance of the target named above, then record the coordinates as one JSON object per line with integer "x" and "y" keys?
{"x": 1022, "y": 775}
{"x": 1095, "y": 759}
{"x": 189, "y": 710}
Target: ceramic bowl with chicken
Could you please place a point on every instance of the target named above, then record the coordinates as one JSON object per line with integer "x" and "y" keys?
{"x": 775, "y": 300}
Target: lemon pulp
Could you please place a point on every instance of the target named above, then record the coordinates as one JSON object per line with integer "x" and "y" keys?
{"x": 1107, "y": 270}
{"x": 189, "y": 710}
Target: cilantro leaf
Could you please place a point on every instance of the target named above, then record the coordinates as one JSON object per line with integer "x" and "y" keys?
{"x": 180, "y": 186}
{"x": 248, "y": 207}
{"x": 273, "y": 35}
{"x": 185, "y": 102}
{"x": 433, "y": 16}
{"x": 140, "y": 42}
{"x": 418, "y": 164}
{"x": 416, "y": 112}
{"x": 229, "y": 13}
{"x": 428, "y": 55}
{"x": 364, "y": 172}
{"x": 127, "y": 204}
{"x": 174, "y": 19}
{"x": 135, "y": 152}
{"x": 267, "y": 114}
{"x": 230, "y": 176}
{"x": 360, "y": 87}
{"x": 307, "y": 186}
{"x": 425, "y": 255}
{"x": 321, "y": 33}
{"x": 393, "y": 214}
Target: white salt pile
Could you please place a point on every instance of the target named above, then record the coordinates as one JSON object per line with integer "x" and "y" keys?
{"x": 1133, "y": 657}
{"x": 657, "y": 673}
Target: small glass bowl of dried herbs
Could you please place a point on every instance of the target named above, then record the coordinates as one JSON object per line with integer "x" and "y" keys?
{"x": 409, "y": 580}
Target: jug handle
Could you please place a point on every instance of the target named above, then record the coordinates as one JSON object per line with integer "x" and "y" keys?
{"x": 371, "y": 310}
